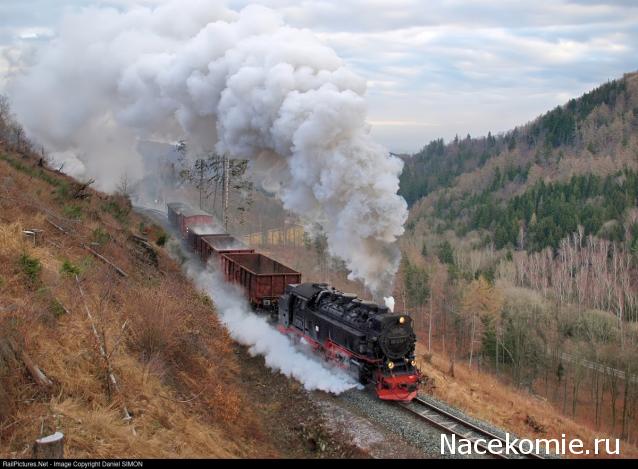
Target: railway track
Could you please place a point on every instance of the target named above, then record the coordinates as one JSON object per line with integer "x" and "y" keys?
{"x": 453, "y": 425}
{"x": 153, "y": 212}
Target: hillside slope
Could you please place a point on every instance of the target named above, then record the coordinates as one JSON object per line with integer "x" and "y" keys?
{"x": 574, "y": 165}
{"x": 596, "y": 132}
{"x": 180, "y": 386}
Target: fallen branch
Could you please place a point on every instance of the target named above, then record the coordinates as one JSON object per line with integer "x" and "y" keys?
{"x": 57, "y": 226}
{"x": 53, "y": 243}
{"x": 112, "y": 380}
{"x": 79, "y": 192}
{"x": 95, "y": 333}
{"x": 179, "y": 401}
{"x": 117, "y": 341}
{"x": 36, "y": 373}
{"x": 139, "y": 238}
{"x": 37, "y": 206}
{"x": 66, "y": 311}
{"x": 104, "y": 259}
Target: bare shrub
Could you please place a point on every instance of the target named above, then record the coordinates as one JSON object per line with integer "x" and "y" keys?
{"x": 180, "y": 337}
{"x": 155, "y": 323}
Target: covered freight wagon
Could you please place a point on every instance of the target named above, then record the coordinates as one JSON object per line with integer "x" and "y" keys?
{"x": 264, "y": 279}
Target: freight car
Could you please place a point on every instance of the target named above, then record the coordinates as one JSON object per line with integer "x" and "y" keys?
{"x": 263, "y": 279}
{"x": 214, "y": 245}
{"x": 367, "y": 339}
{"x": 185, "y": 217}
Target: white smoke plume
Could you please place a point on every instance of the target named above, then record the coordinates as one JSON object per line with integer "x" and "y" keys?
{"x": 389, "y": 302}
{"x": 262, "y": 339}
{"x": 241, "y": 82}
{"x": 207, "y": 228}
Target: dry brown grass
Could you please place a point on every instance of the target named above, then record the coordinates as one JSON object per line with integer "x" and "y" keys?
{"x": 175, "y": 364}
{"x": 11, "y": 239}
{"x": 485, "y": 397}
{"x": 173, "y": 329}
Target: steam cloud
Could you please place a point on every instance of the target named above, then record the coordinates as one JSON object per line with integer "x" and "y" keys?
{"x": 242, "y": 82}
{"x": 389, "y": 302}
{"x": 262, "y": 339}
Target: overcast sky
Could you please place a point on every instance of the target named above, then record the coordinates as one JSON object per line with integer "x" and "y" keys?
{"x": 435, "y": 68}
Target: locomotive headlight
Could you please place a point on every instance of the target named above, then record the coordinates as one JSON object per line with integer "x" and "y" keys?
{"x": 401, "y": 320}
{"x": 390, "y": 365}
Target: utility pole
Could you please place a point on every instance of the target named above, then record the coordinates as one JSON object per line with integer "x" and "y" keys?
{"x": 226, "y": 189}
{"x": 201, "y": 179}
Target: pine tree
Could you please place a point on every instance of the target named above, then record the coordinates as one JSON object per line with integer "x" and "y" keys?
{"x": 446, "y": 253}
{"x": 480, "y": 301}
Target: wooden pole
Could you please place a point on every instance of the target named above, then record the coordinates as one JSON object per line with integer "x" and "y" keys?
{"x": 226, "y": 189}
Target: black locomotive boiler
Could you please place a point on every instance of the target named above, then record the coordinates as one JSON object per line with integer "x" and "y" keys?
{"x": 361, "y": 336}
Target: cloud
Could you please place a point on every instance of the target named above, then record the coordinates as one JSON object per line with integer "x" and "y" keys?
{"x": 385, "y": 15}
{"x": 468, "y": 66}
{"x": 243, "y": 83}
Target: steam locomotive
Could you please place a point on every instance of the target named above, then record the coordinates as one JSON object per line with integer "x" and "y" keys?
{"x": 362, "y": 337}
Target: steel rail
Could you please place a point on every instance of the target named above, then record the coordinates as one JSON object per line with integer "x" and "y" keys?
{"x": 450, "y": 423}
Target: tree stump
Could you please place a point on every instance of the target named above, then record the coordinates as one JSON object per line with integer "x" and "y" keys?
{"x": 49, "y": 447}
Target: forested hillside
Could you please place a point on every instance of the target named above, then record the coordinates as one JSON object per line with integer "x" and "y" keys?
{"x": 599, "y": 122}
{"x": 521, "y": 254}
